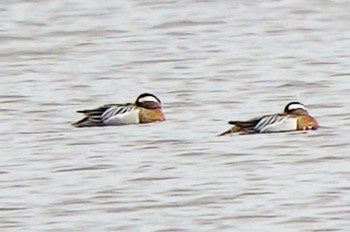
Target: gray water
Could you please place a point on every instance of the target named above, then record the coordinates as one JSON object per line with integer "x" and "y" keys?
{"x": 209, "y": 62}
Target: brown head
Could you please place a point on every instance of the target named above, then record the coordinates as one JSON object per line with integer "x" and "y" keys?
{"x": 148, "y": 101}
{"x": 295, "y": 108}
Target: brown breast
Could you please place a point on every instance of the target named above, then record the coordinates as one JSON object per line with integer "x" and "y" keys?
{"x": 152, "y": 115}
{"x": 306, "y": 122}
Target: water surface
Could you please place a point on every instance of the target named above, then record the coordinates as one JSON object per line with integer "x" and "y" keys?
{"x": 209, "y": 62}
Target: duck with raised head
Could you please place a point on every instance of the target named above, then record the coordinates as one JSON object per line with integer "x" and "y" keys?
{"x": 294, "y": 117}
{"x": 147, "y": 108}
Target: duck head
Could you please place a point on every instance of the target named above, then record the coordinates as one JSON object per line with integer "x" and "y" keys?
{"x": 148, "y": 101}
{"x": 295, "y": 108}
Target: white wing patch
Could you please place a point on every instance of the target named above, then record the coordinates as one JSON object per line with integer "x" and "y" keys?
{"x": 275, "y": 123}
{"x": 121, "y": 115}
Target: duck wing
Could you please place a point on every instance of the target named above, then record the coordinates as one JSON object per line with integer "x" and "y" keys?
{"x": 100, "y": 110}
{"x": 117, "y": 111}
{"x": 276, "y": 123}
{"x": 245, "y": 124}
{"x": 98, "y": 116}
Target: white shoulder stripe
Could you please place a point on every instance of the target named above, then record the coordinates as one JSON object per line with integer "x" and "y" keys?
{"x": 268, "y": 121}
{"x": 128, "y": 115}
{"x": 116, "y": 110}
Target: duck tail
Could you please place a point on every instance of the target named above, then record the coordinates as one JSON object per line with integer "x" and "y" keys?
{"x": 225, "y": 133}
{"x": 234, "y": 129}
{"x": 80, "y": 123}
{"x": 86, "y": 122}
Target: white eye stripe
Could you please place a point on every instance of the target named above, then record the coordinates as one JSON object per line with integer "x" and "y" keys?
{"x": 296, "y": 106}
{"x": 148, "y": 98}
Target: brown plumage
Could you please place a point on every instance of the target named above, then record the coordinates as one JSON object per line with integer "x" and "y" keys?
{"x": 294, "y": 117}
{"x": 147, "y": 108}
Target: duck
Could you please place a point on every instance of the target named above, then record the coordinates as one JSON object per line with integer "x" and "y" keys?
{"x": 146, "y": 109}
{"x": 295, "y": 117}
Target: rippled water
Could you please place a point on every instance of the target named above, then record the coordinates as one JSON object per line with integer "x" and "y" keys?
{"x": 209, "y": 62}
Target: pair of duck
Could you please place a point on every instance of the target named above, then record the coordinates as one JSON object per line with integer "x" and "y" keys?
{"x": 147, "y": 108}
